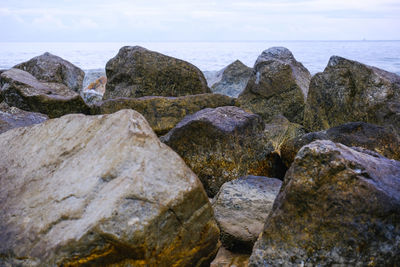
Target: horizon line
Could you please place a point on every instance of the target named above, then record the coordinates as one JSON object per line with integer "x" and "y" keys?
{"x": 209, "y": 41}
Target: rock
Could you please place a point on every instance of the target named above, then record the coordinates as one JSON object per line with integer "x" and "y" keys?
{"x": 163, "y": 113}
{"x": 20, "y": 89}
{"x": 226, "y": 258}
{"x": 223, "y": 144}
{"x": 232, "y": 79}
{"x": 369, "y": 136}
{"x": 100, "y": 191}
{"x": 280, "y": 129}
{"x": 278, "y": 85}
{"x": 136, "y": 72}
{"x": 53, "y": 69}
{"x": 12, "y": 117}
{"x": 91, "y": 97}
{"x": 92, "y": 75}
{"x": 99, "y": 85}
{"x": 241, "y": 208}
{"x": 349, "y": 91}
{"x": 338, "y": 206}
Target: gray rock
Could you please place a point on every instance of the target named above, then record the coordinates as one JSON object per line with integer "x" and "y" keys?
{"x": 97, "y": 191}
{"x": 338, "y": 206}
{"x": 91, "y": 97}
{"x": 12, "y": 117}
{"x": 92, "y": 75}
{"x": 231, "y": 80}
{"x": 223, "y": 144}
{"x": 20, "y": 89}
{"x": 241, "y": 208}
{"x": 360, "y": 134}
{"x": 278, "y": 85}
{"x": 136, "y": 72}
{"x": 54, "y": 69}
{"x": 348, "y": 91}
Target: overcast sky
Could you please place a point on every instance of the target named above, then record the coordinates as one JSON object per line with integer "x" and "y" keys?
{"x": 205, "y": 20}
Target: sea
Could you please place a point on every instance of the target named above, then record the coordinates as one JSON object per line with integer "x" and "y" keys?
{"x": 212, "y": 56}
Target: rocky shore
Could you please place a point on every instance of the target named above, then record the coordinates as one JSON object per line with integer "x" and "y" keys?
{"x": 152, "y": 164}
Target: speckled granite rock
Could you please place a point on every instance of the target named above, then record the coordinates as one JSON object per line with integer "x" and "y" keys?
{"x": 22, "y": 90}
{"x": 349, "y": 91}
{"x": 338, "y": 206}
{"x": 12, "y": 117}
{"x": 100, "y": 190}
{"x": 136, "y": 72}
{"x": 278, "y": 86}
{"x": 241, "y": 208}
{"x": 223, "y": 144}
{"x": 163, "y": 113}
{"x": 53, "y": 69}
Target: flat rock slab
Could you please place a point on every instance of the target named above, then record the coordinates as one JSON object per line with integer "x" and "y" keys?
{"x": 241, "y": 208}
{"x": 100, "y": 190}
{"x": 12, "y": 117}
{"x": 337, "y": 206}
{"x": 163, "y": 113}
{"x": 136, "y": 72}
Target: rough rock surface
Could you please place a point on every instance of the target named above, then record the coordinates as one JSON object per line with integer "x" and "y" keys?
{"x": 99, "y": 85}
{"x": 278, "y": 85}
{"x": 241, "y": 208}
{"x": 226, "y": 258}
{"x": 22, "y": 90}
{"x": 53, "y": 69}
{"x": 231, "y": 80}
{"x": 382, "y": 140}
{"x": 338, "y": 206}
{"x": 163, "y": 113}
{"x": 223, "y": 144}
{"x": 92, "y": 75}
{"x": 91, "y": 97}
{"x": 136, "y": 72}
{"x": 100, "y": 190}
{"x": 349, "y": 91}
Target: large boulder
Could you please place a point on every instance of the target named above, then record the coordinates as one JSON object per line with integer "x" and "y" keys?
{"x": 349, "y": 91}
{"x": 223, "y": 144}
{"x": 231, "y": 80}
{"x": 278, "y": 85}
{"x": 338, "y": 206}
{"x": 12, "y": 117}
{"x": 98, "y": 191}
{"x": 136, "y": 72}
{"x": 380, "y": 139}
{"x": 53, "y": 69}
{"x": 241, "y": 208}
{"x": 163, "y": 113}
{"x": 22, "y": 90}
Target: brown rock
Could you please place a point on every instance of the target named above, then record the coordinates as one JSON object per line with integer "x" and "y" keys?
{"x": 163, "y": 113}
{"x": 226, "y": 258}
{"x": 100, "y": 191}
{"x": 136, "y": 72}
{"x": 338, "y": 206}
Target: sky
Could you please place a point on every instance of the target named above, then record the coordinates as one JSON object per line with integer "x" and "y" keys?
{"x": 205, "y": 20}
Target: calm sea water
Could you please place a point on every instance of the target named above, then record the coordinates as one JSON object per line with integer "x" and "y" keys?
{"x": 213, "y": 56}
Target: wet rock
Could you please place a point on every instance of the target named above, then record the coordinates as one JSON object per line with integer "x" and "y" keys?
{"x": 349, "y": 91}
{"x": 163, "y": 113}
{"x": 97, "y": 191}
{"x": 12, "y": 117}
{"x": 91, "y": 97}
{"x": 278, "y": 86}
{"x": 20, "y": 89}
{"x": 99, "y": 85}
{"x": 53, "y": 69}
{"x": 226, "y": 258}
{"x": 337, "y": 206}
{"x": 382, "y": 140}
{"x": 241, "y": 208}
{"x": 136, "y": 72}
{"x": 231, "y": 80}
{"x": 92, "y": 75}
{"x": 223, "y": 144}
